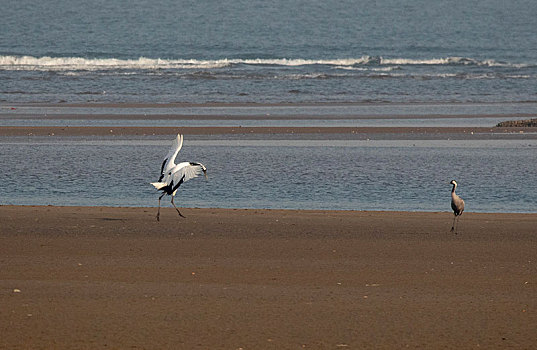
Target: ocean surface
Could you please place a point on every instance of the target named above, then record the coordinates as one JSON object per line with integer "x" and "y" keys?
{"x": 268, "y": 52}
{"x": 280, "y": 63}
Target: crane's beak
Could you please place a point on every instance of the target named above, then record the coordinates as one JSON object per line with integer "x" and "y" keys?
{"x": 205, "y": 173}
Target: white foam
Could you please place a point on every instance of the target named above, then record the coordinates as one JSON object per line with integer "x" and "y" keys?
{"x": 450, "y": 61}
{"x": 46, "y": 63}
{"x": 78, "y": 63}
{"x": 303, "y": 62}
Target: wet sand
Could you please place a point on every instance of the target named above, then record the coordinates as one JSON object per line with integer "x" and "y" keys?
{"x": 98, "y": 277}
{"x": 101, "y": 111}
{"x": 140, "y": 131}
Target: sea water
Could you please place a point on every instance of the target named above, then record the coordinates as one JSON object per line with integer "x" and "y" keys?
{"x": 410, "y": 175}
{"x": 278, "y": 51}
{"x": 373, "y": 63}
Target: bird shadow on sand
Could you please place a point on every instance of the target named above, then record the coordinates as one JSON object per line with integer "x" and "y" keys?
{"x": 109, "y": 219}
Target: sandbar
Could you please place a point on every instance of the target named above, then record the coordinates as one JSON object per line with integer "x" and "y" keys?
{"x": 102, "y": 277}
{"x": 141, "y": 131}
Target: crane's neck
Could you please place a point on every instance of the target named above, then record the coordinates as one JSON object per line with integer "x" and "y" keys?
{"x": 454, "y": 187}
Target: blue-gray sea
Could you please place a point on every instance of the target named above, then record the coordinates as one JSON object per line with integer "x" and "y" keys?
{"x": 411, "y": 175}
{"x": 279, "y": 63}
{"x": 268, "y": 51}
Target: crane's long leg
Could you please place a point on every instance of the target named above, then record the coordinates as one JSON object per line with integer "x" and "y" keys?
{"x": 453, "y": 224}
{"x": 158, "y": 212}
{"x": 181, "y": 215}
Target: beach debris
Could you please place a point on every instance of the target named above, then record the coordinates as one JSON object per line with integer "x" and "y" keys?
{"x": 518, "y": 123}
{"x": 372, "y": 285}
{"x": 16, "y": 290}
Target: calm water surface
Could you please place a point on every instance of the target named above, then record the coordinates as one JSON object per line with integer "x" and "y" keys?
{"x": 494, "y": 175}
{"x": 350, "y": 115}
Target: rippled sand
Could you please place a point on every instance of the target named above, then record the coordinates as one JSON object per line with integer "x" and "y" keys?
{"x": 95, "y": 277}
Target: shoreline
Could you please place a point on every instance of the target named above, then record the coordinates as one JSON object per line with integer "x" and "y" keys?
{"x": 79, "y": 277}
{"x": 174, "y": 116}
{"x": 7, "y": 104}
{"x": 284, "y": 210}
{"x": 49, "y": 214}
{"x": 127, "y": 130}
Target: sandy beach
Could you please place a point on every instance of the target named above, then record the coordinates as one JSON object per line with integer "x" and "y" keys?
{"x": 100, "y": 277}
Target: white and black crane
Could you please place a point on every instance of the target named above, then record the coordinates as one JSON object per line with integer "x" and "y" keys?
{"x": 174, "y": 175}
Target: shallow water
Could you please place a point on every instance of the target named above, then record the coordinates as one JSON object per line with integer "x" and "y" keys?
{"x": 333, "y": 115}
{"x": 437, "y": 122}
{"x": 332, "y": 110}
{"x": 493, "y": 175}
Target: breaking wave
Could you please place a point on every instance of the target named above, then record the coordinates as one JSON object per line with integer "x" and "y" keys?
{"x": 45, "y": 63}
{"x": 452, "y": 61}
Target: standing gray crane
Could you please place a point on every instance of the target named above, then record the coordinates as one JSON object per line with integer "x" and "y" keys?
{"x": 457, "y": 204}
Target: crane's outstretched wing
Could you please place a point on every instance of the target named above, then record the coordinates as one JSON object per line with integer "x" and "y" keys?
{"x": 175, "y": 177}
{"x": 169, "y": 160}
{"x": 187, "y": 171}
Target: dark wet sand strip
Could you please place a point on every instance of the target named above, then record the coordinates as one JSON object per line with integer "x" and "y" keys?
{"x": 125, "y": 130}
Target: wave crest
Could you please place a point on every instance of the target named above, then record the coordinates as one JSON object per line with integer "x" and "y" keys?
{"x": 47, "y": 63}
